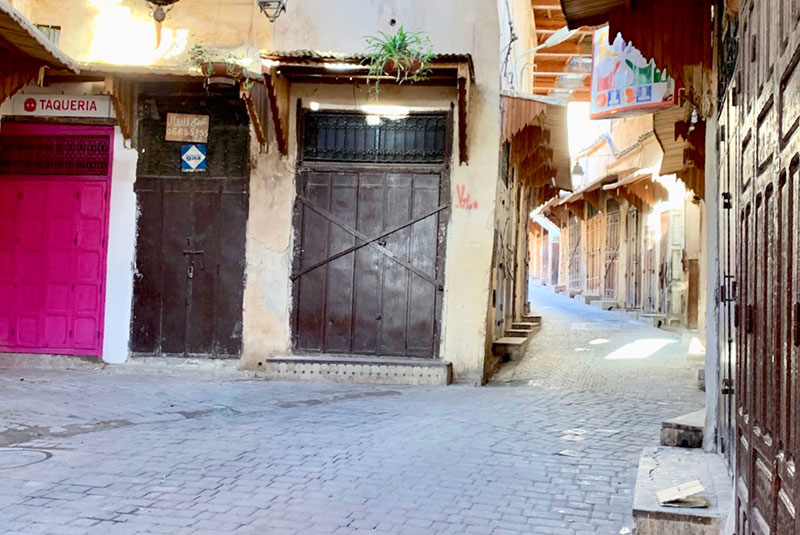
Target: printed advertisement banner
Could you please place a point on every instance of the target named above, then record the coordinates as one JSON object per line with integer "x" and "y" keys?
{"x": 624, "y": 83}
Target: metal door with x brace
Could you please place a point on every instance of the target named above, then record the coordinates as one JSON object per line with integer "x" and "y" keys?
{"x": 368, "y": 272}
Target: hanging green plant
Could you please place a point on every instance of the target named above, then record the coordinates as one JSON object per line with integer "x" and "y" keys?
{"x": 219, "y": 69}
{"x": 404, "y": 56}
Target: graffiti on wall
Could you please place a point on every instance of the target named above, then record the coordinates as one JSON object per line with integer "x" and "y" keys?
{"x": 465, "y": 201}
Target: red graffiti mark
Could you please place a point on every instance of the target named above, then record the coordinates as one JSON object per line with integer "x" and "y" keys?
{"x": 465, "y": 201}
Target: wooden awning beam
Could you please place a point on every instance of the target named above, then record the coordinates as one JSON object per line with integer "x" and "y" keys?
{"x": 278, "y": 89}
{"x": 464, "y": 86}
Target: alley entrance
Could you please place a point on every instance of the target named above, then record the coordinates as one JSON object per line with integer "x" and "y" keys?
{"x": 368, "y": 273}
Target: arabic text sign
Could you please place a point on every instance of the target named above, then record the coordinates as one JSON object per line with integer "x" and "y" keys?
{"x": 187, "y": 128}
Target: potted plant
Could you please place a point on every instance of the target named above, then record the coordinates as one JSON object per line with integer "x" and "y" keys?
{"x": 404, "y": 56}
{"x": 225, "y": 70}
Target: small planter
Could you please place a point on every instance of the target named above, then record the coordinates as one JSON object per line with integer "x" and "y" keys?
{"x": 399, "y": 69}
{"x": 222, "y": 73}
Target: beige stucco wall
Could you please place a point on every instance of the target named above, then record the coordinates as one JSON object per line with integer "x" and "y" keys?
{"x": 122, "y": 32}
{"x": 328, "y": 25}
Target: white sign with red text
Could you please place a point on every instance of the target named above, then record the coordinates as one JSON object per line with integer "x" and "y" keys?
{"x": 98, "y": 106}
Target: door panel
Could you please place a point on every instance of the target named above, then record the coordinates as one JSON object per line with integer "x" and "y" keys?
{"x": 377, "y": 299}
{"x": 53, "y": 236}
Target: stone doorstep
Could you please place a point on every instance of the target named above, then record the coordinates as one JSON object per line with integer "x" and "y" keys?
{"x": 589, "y": 299}
{"x": 684, "y": 431}
{"x": 604, "y": 304}
{"x": 517, "y": 333}
{"x": 525, "y": 326}
{"x": 535, "y": 319}
{"x": 357, "y": 369}
{"x": 661, "y": 468}
{"x": 513, "y": 348}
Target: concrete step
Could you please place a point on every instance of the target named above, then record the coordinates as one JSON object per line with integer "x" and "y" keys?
{"x": 532, "y": 318}
{"x": 604, "y": 304}
{"x": 357, "y": 369}
{"x": 517, "y": 333}
{"x": 559, "y": 288}
{"x": 684, "y": 431}
{"x": 512, "y": 348}
{"x": 662, "y": 468}
{"x": 524, "y": 325}
{"x": 589, "y": 299}
{"x": 656, "y": 320}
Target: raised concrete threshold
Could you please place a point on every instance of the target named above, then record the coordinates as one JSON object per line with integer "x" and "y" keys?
{"x": 662, "y": 468}
{"x": 357, "y": 369}
{"x": 512, "y": 346}
{"x": 684, "y": 431}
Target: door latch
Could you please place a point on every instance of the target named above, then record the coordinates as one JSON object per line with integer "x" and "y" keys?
{"x": 727, "y": 387}
{"x": 190, "y": 271}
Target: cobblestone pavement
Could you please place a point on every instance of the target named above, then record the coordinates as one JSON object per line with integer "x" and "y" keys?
{"x": 550, "y": 447}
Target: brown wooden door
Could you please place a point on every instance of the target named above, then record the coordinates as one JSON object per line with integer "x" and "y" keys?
{"x": 575, "y": 279}
{"x": 190, "y": 250}
{"x": 768, "y": 303}
{"x": 368, "y": 273}
{"x": 633, "y": 268}
{"x": 611, "y": 273}
{"x": 594, "y": 251}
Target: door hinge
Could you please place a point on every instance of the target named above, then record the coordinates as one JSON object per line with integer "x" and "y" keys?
{"x": 727, "y": 200}
{"x": 727, "y": 387}
{"x": 796, "y": 324}
{"x": 748, "y": 319}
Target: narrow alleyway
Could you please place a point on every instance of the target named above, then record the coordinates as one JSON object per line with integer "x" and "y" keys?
{"x": 550, "y": 447}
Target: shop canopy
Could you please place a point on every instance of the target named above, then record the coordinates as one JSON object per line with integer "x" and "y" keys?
{"x": 25, "y": 52}
{"x": 537, "y": 133}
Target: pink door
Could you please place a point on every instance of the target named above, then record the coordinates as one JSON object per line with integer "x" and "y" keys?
{"x": 54, "y": 185}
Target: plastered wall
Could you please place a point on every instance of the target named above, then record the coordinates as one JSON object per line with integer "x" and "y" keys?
{"x": 122, "y": 32}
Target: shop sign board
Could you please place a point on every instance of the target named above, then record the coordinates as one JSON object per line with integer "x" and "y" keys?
{"x": 187, "y": 128}
{"x": 59, "y": 105}
{"x": 624, "y": 83}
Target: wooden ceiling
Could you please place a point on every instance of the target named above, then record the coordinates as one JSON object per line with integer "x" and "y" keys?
{"x": 563, "y": 70}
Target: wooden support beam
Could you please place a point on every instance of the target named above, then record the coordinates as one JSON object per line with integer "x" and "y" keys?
{"x": 278, "y": 95}
{"x": 464, "y": 82}
{"x": 546, "y": 4}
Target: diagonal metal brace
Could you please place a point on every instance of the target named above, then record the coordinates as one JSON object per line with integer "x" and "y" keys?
{"x": 367, "y": 241}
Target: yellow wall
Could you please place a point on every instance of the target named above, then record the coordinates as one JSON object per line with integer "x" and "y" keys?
{"x": 122, "y": 32}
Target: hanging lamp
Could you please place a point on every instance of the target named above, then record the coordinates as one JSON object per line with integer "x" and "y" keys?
{"x": 272, "y": 8}
{"x": 160, "y": 14}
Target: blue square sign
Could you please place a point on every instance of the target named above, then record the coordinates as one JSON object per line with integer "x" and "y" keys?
{"x": 193, "y": 158}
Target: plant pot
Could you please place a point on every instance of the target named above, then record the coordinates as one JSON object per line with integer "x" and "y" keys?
{"x": 409, "y": 68}
{"x": 222, "y": 73}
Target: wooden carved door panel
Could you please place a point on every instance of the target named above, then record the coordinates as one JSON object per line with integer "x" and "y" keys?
{"x": 611, "y": 273}
{"x": 368, "y": 262}
{"x": 769, "y": 302}
{"x": 633, "y": 272}
{"x": 575, "y": 279}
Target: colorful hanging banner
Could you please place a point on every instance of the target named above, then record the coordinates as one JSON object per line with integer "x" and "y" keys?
{"x": 624, "y": 83}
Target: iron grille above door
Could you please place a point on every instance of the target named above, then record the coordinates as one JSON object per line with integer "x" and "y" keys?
{"x": 355, "y": 137}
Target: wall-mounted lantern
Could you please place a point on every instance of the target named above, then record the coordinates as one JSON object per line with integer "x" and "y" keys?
{"x": 159, "y": 14}
{"x": 272, "y": 8}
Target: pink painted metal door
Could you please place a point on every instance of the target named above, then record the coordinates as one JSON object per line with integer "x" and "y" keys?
{"x": 54, "y": 186}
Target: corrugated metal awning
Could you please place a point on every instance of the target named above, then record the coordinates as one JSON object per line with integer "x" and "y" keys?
{"x": 19, "y": 35}
{"x": 24, "y": 50}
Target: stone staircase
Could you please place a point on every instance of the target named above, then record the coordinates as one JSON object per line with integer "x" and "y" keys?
{"x": 515, "y": 341}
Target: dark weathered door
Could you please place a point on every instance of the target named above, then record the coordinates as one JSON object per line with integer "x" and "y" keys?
{"x": 633, "y": 269}
{"x": 370, "y": 220}
{"x": 612, "y": 251}
{"x": 190, "y": 253}
{"x": 575, "y": 279}
{"x": 368, "y": 272}
{"x": 768, "y": 303}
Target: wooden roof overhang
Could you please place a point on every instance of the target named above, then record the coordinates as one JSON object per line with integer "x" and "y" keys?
{"x": 675, "y": 33}
{"x": 638, "y": 187}
{"x": 564, "y": 68}
{"x": 25, "y": 52}
{"x": 121, "y": 83}
{"x": 683, "y": 143}
{"x": 537, "y": 132}
{"x": 281, "y": 69}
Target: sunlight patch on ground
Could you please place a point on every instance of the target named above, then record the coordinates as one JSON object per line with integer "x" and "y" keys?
{"x": 640, "y": 349}
{"x": 599, "y": 341}
{"x": 696, "y": 346}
